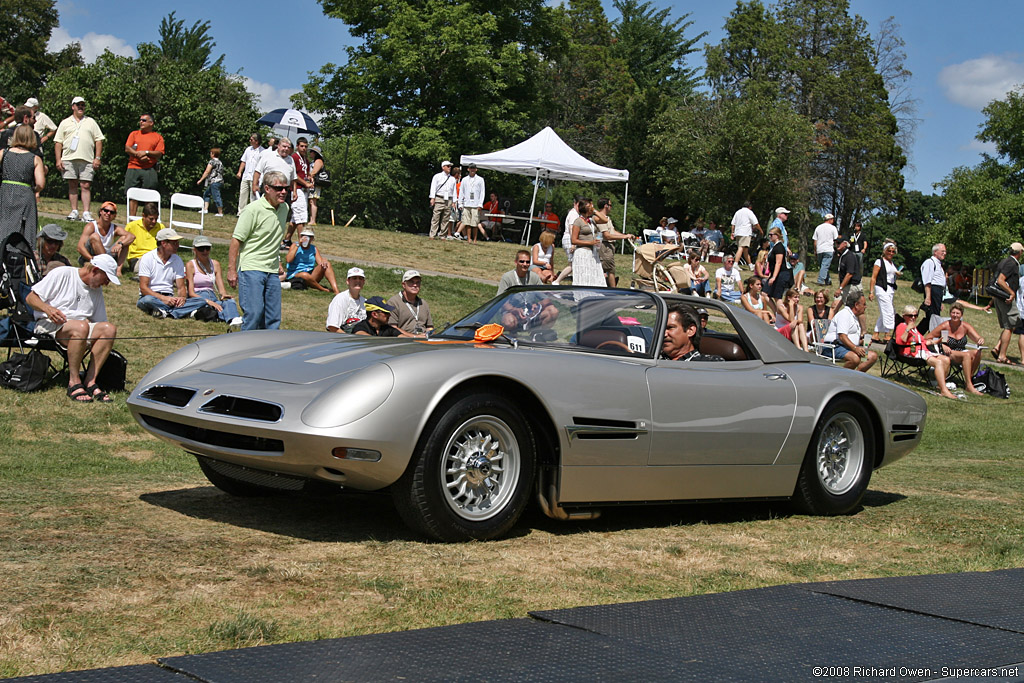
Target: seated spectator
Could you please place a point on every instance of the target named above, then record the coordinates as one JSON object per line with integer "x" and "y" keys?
{"x": 844, "y": 334}
{"x": 955, "y": 334}
{"x": 712, "y": 242}
{"x": 820, "y": 310}
{"x": 755, "y": 300}
{"x": 103, "y": 236}
{"x": 727, "y": 280}
{"x": 697, "y": 274}
{"x": 307, "y": 264}
{"x": 682, "y": 335}
{"x": 163, "y": 292}
{"x": 789, "y": 319}
{"x": 349, "y": 307}
{"x": 69, "y": 307}
{"x": 541, "y": 257}
{"x": 912, "y": 345}
{"x": 669, "y": 232}
{"x": 521, "y": 275}
{"x": 491, "y": 224}
{"x": 548, "y": 214}
{"x": 376, "y": 323}
{"x": 761, "y": 267}
{"x": 204, "y": 278}
{"x": 144, "y": 231}
{"x": 48, "y": 244}
{"x": 799, "y": 272}
{"x": 409, "y": 313}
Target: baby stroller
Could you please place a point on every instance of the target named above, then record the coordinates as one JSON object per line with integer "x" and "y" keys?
{"x": 649, "y": 271}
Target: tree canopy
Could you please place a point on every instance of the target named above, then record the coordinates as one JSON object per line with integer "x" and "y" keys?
{"x": 25, "y": 63}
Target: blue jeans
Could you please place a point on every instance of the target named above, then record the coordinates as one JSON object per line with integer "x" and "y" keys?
{"x": 149, "y": 303}
{"x": 229, "y": 309}
{"x": 824, "y": 261}
{"x": 259, "y": 294}
{"x": 213, "y": 191}
{"x": 701, "y": 289}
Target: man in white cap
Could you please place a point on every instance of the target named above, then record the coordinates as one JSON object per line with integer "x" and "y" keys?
{"x": 78, "y": 147}
{"x": 442, "y": 192}
{"x": 824, "y": 240}
{"x": 163, "y": 292}
{"x": 781, "y": 214}
{"x": 45, "y": 127}
{"x": 411, "y": 315}
{"x": 69, "y": 307}
{"x": 349, "y": 307}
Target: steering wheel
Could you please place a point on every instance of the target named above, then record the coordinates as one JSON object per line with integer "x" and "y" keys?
{"x": 617, "y": 344}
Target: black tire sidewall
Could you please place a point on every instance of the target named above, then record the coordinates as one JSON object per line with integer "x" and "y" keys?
{"x": 810, "y": 495}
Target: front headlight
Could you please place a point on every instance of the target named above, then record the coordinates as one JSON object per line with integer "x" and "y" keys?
{"x": 354, "y": 397}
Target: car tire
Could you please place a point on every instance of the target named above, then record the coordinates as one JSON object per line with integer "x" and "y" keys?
{"x": 231, "y": 485}
{"x": 837, "y": 467}
{"x": 472, "y": 474}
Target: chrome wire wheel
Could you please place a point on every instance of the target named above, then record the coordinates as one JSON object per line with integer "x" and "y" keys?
{"x": 840, "y": 453}
{"x": 480, "y": 468}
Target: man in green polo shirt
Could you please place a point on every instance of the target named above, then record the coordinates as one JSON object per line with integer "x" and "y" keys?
{"x": 254, "y": 255}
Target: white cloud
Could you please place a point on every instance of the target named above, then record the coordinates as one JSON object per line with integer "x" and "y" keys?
{"x": 270, "y": 98}
{"x": 980, "y": 147}
{"x": 977, "y": 82}
{"x": 93, "y": 44}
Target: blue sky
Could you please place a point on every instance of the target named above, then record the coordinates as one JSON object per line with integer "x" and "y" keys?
{"x": 962, "y": 54}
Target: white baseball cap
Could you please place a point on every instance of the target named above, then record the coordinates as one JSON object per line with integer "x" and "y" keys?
{"x": 31, "y": 102}
{"x": 76, "y": 100}
{"x": 781, "y": 209}
{"x": 355, "y": 272}
{"x": 445, "y": 163}
{"x": 108, "y": 265}
{"x": 410, "y": 274}
{"x": 829, "y": 216}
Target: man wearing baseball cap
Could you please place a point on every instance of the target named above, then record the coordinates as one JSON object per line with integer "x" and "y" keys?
{"x": 442, "y": 192}
{"x": 48, "y": 243}
{"x": 348, "y": 307}
{"x": 781, "y": 214}
{"x": 163, "y": 292}
{"x": 411, "y": 315}
{"x": 78, "y": 146}
{"x": 376, "y": 323}
{"x": 69, "y": 307}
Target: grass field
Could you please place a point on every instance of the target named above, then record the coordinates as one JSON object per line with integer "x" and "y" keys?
{"x": 115, "y": 550}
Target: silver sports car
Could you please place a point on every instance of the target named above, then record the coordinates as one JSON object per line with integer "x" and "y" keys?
{"x": 558, "y": 393}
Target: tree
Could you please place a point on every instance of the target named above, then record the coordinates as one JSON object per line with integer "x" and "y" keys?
{"x": 25, "y": 64}
{"x": 192, "y": 46}
{"x": 916, "y": 225}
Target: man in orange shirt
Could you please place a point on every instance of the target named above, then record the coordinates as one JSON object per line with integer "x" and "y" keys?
{"x": 144, "y": 148}
{"x": 548, "y": 214}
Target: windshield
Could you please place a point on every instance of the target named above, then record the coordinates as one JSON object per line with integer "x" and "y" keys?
{"x": 608, "y": 320}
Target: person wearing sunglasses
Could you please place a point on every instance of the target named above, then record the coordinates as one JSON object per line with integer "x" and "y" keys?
{"x": 78, "y": 147}
{"x": 103, "y": 236}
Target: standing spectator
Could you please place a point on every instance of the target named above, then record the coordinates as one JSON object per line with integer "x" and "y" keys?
{"x": 44, "y": 126}
{"x": 144, "y": 148}
{"x": 144, "y": 231}
{"x": 303, "y": 184}
{"x": 727, "y": 280}
{"x": 78, "y": 147}
{"x": 246, "y": 167}
{"x": 884, "y": 289}
{"x": 844, "y": 334}
{"x": 103, "y": 236}
{"x": 279, "y": 160}
{"x": 22, "y": 115}
{"x": 306, "y": 263}
{"x": 472, "y": 191}
{"x": 604, "y": 225}
{"x": 69, "y": 307}
{"x": 48, "y": 244}
{"x": 933, "y": 276}
{"x": 254, "y": 255}
{"x": 586, "y": 260}
{"x": 163, "y": 292}
{"x": 204, "y": 279}
{"x": 348, "y": 307}
{"x": 212, "y": 181}
{"x": 442, "y": 190}
{"x": 265, "y": 153}
{"x": 1008, "y": 279}
{"x": 22, "y": 175}
{"x": 781, "y": 215}
{"x": 454, "y": 218}
{"x": 849, "y": 270}
{"x": 570, "y": 219}
{"x": 744, "y": 222}
{"x": 859, "y": 243}
{"x": 410, "y": 314}
{"x": 713, "y": 240}
{"x": 316, "y": 166}
{"x": 824, "y": 239}
{"x": 780, "y": 278}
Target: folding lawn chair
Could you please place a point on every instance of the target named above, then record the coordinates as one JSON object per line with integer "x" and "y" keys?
{"x": 819, "y": 328}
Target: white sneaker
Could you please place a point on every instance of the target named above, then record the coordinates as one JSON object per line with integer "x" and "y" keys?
{"x": 221, "y": 215}
{"x": 285, "y": 284}
{"x": 73, "y": 216}
{"x": 87, "y": 217}
{"x": 235, "y": 325}
{"x": 157, "y": 312}
{"x": 203, "y": 211}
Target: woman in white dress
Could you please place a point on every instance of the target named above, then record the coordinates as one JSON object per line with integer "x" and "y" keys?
{"x": 883, "y": 287}
{"x": 586, "y": 265}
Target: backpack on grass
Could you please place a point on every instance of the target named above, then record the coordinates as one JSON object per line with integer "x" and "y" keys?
{"x": 991, "y": 382}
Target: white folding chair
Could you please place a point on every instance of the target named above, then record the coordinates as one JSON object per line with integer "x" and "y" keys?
{"x": 652, "y": 237}
{"x": 819, "y": 328}
{"x": 142, "y": 196}
{"x": 191, "y": 202}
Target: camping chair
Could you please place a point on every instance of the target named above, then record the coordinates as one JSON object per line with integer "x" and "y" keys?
{"x": 187, "y": 201}
{"x": 897, "y": 366}
{"x": 819, "y": 328}
{"x": 649, "y": 273}
{"x": 142, "y": 196}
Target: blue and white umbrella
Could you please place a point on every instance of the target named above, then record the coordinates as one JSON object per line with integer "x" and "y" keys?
{"x": 290, "y": 120}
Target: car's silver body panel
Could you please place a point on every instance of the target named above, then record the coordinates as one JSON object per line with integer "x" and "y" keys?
{"x": 627, "y": 428}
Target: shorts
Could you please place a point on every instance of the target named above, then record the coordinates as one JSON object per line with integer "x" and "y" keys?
{"x": 47, "y": 327}
{"x": 607, "y": 258}
{"x": 140, "y": 177}
{"x": 471, "y": 216}
{"x": 77, "y": 169}
{"x": 851, "y": 289}
{"x": 835, "y": 351}
{"x": 743, "y": 241}
{"x": 300, "y": 208}
{"x": 1009, "y": 316}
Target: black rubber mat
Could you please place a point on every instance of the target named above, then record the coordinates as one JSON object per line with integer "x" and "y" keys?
{"x": 513, "y": 650}
{"x": 989, "y": 598}
{"x": 783, "y": 633}
{"x": 141, "y": 673}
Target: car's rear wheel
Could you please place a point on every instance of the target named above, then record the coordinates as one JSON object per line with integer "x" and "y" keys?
{"x": 837, "y": 467}
{"x": 472, "y": 474}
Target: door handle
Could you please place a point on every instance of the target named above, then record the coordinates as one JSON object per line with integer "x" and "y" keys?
{"x": 776, "y": 375}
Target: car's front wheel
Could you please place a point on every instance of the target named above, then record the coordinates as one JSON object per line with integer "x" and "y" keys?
{"x": 837, "y": 467}
{"x": 472, "y": 474}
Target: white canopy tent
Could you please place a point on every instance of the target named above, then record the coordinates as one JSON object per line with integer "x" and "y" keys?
{"x": 546, "y": 156}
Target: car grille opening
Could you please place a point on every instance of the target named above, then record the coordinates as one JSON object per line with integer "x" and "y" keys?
{"x": 172, "y": 396}
{"x": 270, "y": 480}
{"x": 214, "y": 437}
{"x": 243, "y": 408}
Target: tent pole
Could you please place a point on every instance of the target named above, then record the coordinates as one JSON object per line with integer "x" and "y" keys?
{"x": 625, "y": 204}
{"x": 533, "y": 203}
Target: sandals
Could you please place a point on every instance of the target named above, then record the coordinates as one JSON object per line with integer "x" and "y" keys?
{"x": 79, "y": 394}
{"x": 98, "y": 394}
